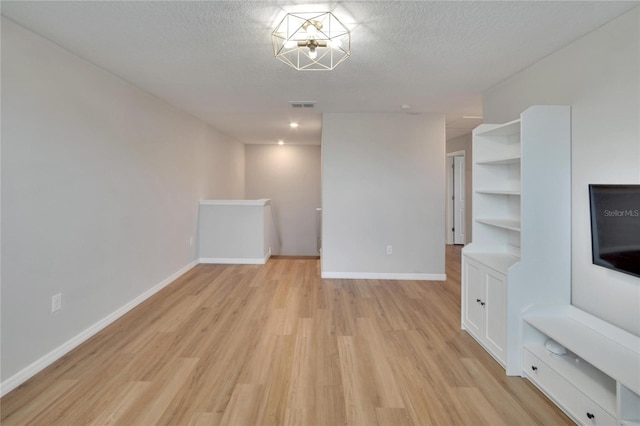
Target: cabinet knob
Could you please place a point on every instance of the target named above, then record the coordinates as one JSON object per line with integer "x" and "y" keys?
{"x": 482, "y": 303}
{"x": 478, "y": 300}
{"x": 591, "y": 416}
{"x": 534, "y": 368}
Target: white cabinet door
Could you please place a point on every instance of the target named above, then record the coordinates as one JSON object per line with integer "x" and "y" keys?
{"x": 473, "y": 283}
{"x": 495, "y": 331}
{"x": 484, "y": 292}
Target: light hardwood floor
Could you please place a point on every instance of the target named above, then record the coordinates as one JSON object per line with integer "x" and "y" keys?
{"x": 276, "y": 345}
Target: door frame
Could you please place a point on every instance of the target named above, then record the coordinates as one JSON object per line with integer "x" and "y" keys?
{"x": 449, "y": 200}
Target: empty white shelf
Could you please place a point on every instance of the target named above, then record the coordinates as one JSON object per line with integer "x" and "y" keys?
{"x": 510, "y": 224}
{"x": 499, "y": 191}
{"x": 511, "y": 159}
{"x": 510, "y": 128}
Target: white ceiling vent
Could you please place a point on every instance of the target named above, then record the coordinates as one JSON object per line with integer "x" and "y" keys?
{"x": 302, "y": 104}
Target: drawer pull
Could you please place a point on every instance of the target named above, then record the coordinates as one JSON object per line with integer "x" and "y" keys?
{"x": 482, "y": 303}
{"x": 591, "y": 416}
{"x": 478, "y": 300}
{"x": 534, "y": 368}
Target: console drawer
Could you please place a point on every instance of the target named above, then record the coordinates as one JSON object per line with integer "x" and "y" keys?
{"x": 571, "y": 400}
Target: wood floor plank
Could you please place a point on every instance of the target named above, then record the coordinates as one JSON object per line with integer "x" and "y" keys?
{"x": 242, "y": 408}
{"x": 330, "y": 406}
{"x": 43, "y": 401}
{"x": 114, "y": 413}
{"x": 153, "y": 403}
{"x": 303, "y": 368}
{"x": 393, "y": 417}
{"x": 205, "y": 419}
{"x": 111, "y": 374}
{"x": 488, "y": 384}
{"x": 274, "y": 345}
{"x": 475, "y": 408}
{"x": 359, "y": 390}
{"x": 277, "y": 383}
{"x": 388, "y": 395}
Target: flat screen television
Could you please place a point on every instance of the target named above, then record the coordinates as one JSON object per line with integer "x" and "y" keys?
{"x": 615, "y": 227}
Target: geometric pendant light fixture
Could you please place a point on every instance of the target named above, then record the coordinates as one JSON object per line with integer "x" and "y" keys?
{"x": 311, "y": 41}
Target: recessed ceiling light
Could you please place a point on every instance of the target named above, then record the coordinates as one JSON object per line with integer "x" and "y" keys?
{"x": 293, "y": 125}
{"x": 280, "y": 142}
{"x": 405, "y": 106}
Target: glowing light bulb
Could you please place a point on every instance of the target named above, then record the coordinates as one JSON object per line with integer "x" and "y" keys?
{"x": 313, "y": 54}
{"x": 311, "y": 29}
{"x": 293, "y": 125}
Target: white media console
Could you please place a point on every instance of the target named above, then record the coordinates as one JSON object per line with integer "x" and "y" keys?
{"x": 597, "y": 381}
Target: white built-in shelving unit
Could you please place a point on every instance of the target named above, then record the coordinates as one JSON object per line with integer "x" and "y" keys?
{"x": 521, "y": 249}
{"x": 516, "y": 275}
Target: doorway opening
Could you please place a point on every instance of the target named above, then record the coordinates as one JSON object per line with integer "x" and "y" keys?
{"x": 455, "y": 211}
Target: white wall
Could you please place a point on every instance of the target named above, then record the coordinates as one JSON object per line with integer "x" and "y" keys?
{"x": 219, "y": 167}
{"x": 463, "y": 143}
{"x": 100, "y": 190}
{"x": 289, "y": 175}
{"x": 383, "y": 183}
{"x": 599, "y": 76}
{"x": 234, "y": 231}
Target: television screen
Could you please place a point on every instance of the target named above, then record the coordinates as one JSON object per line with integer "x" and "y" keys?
{"x": 615, "y": 227}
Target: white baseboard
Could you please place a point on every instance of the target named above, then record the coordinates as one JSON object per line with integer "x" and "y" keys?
{"x": 31, "y": 370}
{"x": 384, "y": 276}
{"x": 235, "y": 261}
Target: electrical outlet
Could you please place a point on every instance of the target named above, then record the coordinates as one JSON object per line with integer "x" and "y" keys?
{"x": 389, "y": 249}
{"x": 56, "y": 302}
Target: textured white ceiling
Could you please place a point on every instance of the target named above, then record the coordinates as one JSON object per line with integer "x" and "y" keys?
{"x": 214, "y": 59}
